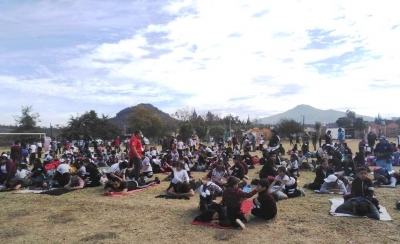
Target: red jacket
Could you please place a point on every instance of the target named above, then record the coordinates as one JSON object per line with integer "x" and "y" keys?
{"x": 11, "y": 170}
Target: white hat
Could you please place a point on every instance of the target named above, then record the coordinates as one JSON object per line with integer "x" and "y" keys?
{"x": 330, "y": 179}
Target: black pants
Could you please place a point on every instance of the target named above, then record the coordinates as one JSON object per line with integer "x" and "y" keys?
{"x": 137, "y": 163}
{"x": 62, "y": 179}
{"x": 261, "y": 147}
{"x": 314, "y": 186}
{"x": 233, "y": 214}
{"x": 180, "y": 152}
{"x": 93, "y": 182}
{"x": 39, "y": 152}
{"x": 262, "y": 214}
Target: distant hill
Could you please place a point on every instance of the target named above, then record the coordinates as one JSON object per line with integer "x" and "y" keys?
{"x": 121, "y": 117}
{"x": 311, "y": 115}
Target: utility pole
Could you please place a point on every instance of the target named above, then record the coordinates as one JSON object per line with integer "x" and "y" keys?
{"x": 51, "y": 130}
{"x": 303, "y": 120}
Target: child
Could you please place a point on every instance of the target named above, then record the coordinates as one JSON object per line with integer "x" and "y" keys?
{"x": 362, "y": 186}
{"x": 214, "y": 216}
{"x": 177, "y": 186}
{"x": 238, "y": 170}
{"x": 323, "y": 171}
{"x": 290, "y": 184}
{"x": 264, "y": 206}
{"x": 232, "y": 200}
{"x": 333, "y": 184}
{"x": 125, "y": 186}
{"x": 359, "y": 206}
{"x": 218, "y": 174}
{"x": 268, "y": 170}
{"x": 208, "y": 193}
{"x": 294, "y": 166}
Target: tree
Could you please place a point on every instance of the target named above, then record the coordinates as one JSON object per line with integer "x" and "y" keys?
{"x": 288, "y": 127}
{"x": 89, "y": 126}
{"x": 344, "y": 122}
{"x": 350, "y": 114}
{"x": 256, "y": 122}
{"x": 183, "y": 114}
{"x": 28, "y": 120}
{"x": 378, "y": 119}
{"x": 360, "y": 125}
{"x": 186, "y": 130}
{"x": 317, "y": 127}
{"x": 201, "y": 128}
{"x": 144, "y": 119}
{"x": 217, "y": 131}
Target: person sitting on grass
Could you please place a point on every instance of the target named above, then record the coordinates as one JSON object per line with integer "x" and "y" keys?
{"x": 293, "y": 166}
{"x": 146, "y": 170}
{"x": 323, "y": 171}
{"x": 117, "y": 171}
{"x": 208, "y": 193}
{"x": 38, "y": 171}
{"x": 268, "y": 170}
{"x": 362, "y": 186}
{"x": 180, "y": 183}
{"x": 248, "y": 160}
{"x": 237, "y": 169}
{"x": 359, "y": 206}
{"x": 287, "y": 184}
{"x": 264, "y": 206}
{"x": 93, "y": 176}
{"x": 124, "y": 186}
{"x": 333, "y": 185}
{"x": 218, "y": 174}
{"x": 232, "y": 199}
{"x": 8, "y": 169}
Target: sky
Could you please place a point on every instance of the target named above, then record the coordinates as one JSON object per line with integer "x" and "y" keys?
{"x": 245, "y": 58}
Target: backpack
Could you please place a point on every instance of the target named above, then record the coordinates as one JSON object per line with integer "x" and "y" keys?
{"x": 380, "y": 171}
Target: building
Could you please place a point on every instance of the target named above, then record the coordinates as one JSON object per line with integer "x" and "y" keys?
{"x": 389, "y": 130}
{"x": 266, "y": 132}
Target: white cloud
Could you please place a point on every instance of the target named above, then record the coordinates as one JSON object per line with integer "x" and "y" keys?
{"x": 204, "y": 54}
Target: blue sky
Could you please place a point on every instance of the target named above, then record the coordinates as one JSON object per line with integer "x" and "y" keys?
{"x": 254, "y": 58}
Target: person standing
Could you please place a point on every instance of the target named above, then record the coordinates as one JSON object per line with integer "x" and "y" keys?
{"x": 371, "y": 138}
{"x": 39, "y": 148}
{"x": 383, "y": 152}
{"x": 328, "y": 138}
{"x": 32, "y": 153}
{"x": 180, "y": 147}
{"x": 135, "y": 153}
{"x": 314, "y": 141}
{"x": 16, "y": 153}
{"x": 117, "y": 144}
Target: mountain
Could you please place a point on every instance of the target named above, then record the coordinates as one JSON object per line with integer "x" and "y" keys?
{"x": 311, "y": 115}
{"x": 120, "y": 118}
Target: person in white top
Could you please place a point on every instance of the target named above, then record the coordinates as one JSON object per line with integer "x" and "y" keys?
{"x": 146, "y": 169}
{"x": 261, "y": 143}
{"x": 288, "y": 183}
{"x": 180, "y": 183}
{"x": 180, "y": 147}
{"x": 62, "y": 174}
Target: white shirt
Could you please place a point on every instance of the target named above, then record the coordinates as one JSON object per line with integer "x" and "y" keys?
{"x": 180, "y": 145}
{"x": 175, "y": 156}
{"x": 115, "y": 169}
{"x": 191, "y": 142}
{"x": 179, "y": 176}
{"x": 153, "y": 153}
{"x": 39, "y": 144}
{"x": 289, "y": 181}
{"x": 63, "y": 168}
{"x": 24, "y": 173}
{"x": 208, "y": 150}
{"x": 146, "y": 163}
{"x": 261, "y": 141}
{"x": 4, "y": 169}
{"x": 33, "y": 148}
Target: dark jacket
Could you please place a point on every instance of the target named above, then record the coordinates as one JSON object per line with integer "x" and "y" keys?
{"x": 328, "y": 139}
{"x": 233, "y": 197}
{"x": 266, "y": 203}
{"x": 267, "y": 170}
{"x": 11, "y": 170}
{"x": 320, "y": 175}
{"x": 362, "y": 188}
{"x": 386, "y": 149}
{"x": 238, "y": 171}
{"x": 371, "y": 138}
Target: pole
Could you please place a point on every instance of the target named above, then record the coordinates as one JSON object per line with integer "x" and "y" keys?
{"x": 51, "y": 130}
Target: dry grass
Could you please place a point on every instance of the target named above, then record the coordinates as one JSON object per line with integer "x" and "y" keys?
{"x": 86, "y": 217}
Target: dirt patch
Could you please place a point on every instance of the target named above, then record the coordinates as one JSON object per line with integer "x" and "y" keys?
{"x": 100, "y": 236}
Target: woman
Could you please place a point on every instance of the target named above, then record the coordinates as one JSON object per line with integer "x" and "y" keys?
{"x": 7, "y": 169}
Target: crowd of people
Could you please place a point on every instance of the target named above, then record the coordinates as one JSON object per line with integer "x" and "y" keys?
{"x": 226, "y": 170}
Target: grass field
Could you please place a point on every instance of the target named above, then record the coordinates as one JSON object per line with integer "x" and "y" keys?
{"x": 86, "y": 217}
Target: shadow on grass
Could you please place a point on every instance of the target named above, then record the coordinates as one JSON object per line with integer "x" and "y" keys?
{"x": 223, "y": 235}
{"x": 61, "y": 218}
{"x": 100, "y": 237}
{"x": 6, "y": 234}
{"x": 17, "y": 213}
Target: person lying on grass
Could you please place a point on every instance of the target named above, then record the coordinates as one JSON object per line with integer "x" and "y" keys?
{"x": 124, "y": 186}
{"x": 232, "y": 199}
{"x": 362, "y": 186}
{"x": 214, "y": 216}
{"x": 288, "y": 183}
{"x": 180, "y": 178}
{"x": 333, "y": 185}
{"x": 264, "y": 206}
{"x": 359, "y": 206}
{"x": 16, "y": 184}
